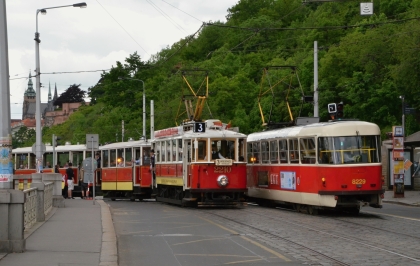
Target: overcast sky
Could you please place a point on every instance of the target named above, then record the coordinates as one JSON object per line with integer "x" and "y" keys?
{"x": 94, "y": 38}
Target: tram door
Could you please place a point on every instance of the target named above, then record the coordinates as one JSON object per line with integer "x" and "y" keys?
{"x": 186, "y": 161}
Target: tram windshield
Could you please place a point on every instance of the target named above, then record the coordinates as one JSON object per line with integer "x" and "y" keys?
{"x": 349, "y": 149}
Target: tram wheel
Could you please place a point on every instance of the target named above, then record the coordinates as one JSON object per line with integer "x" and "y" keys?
{"x": 354, "y": 210}
{"x": 312, "y": 210}
{"x": 296, "y": 207}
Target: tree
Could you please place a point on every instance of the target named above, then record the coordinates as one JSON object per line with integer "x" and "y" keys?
{"x": 23, "y": 137}
{"x": 72, "y": 95}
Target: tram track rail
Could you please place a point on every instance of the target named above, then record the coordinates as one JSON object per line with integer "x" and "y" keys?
{"x": 355, "y": 240}
{"x": 331, "y": 259}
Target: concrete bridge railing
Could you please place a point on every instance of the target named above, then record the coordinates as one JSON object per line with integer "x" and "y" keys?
{"x": 29, "y": 201}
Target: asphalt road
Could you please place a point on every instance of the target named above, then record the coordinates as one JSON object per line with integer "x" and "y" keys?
{"x": 152, "y": 233}
{"x": 396, "y": 210}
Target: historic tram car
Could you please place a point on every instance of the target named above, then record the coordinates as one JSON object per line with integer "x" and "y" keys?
{"x": 24, "y": 160}
{"x": 200, "y": 164}
{"x": 317, "y": 166}
{"x": 125, "y": 171}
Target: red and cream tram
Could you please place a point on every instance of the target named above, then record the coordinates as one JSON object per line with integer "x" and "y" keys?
{"x": 200, "y": 164}
{"x": 125, "y": 170}
{"x": 24, "y": 160}
{"x": 317, "y": 166}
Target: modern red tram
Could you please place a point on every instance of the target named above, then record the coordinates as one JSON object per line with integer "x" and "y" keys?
{"x": 202, "y": 166}
{"x": 331, "y": 165}
{"x": 125, "y": 171}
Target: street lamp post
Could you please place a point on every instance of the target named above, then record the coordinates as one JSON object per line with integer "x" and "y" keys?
{"x": 402, "y": 97}
{"x": 38, "y": 144}
{"x": 144, "y": 104}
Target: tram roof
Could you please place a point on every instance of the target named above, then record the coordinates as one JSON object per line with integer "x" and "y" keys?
{"x": 328, "y": 129}
{"x": 214, "y": 129}
{"x": 127, "y": 144}
{"x": 48, "y": 148}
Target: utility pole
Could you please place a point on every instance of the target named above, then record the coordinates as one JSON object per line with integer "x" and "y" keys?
{"x": 6, "y": 166}
{"x": 316, "y": 107}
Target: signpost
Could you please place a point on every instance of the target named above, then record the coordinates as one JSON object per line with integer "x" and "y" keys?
{"x": 92, "y": 142}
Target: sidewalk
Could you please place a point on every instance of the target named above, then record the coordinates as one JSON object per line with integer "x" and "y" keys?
{"x": 411, "y": 198}
{"x": 81, "y": 233}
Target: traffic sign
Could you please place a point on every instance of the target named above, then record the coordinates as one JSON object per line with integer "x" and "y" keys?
{"x": 408, "y": 110}
{"x": 43, "y": 149}
{"x": 332, "y": 108}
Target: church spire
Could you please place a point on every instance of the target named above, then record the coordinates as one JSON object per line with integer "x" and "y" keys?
{"x": 49, "y": 91}
{"x": 55, "y": 93}
{"x": 29, "y": 92}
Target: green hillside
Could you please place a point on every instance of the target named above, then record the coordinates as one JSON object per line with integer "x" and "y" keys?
{"x": 366, "y": 62}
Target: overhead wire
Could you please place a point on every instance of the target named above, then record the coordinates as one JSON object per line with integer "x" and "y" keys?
{"x": 166, "y": 16}
{"x": 122, "y": 27}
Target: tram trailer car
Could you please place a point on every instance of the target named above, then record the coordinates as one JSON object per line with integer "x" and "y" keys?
{"x": 125, "y": 171}
{"x": 332, "y": 165}
{"x": 200, "y": 164}
{"x": 24, "y": 161}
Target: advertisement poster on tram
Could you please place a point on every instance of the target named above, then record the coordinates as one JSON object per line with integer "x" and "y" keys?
{"x": 288, "y": 180}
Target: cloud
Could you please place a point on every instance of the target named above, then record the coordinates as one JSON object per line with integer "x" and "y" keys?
{"x": 92, "y": 38}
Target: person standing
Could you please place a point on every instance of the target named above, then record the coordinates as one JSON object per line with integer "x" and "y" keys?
{"x": 98, "y": 167}
{"x": 152, "y": 164}
{"x": 70, "y": 180}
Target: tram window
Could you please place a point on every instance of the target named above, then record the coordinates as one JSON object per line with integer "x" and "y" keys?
{"x": 256, "y": 151}
{"x": 77, "y": 158}
{"x": 32, "y": 160}
{"x": 48, "y": 157}
{"x": 21, "y": 161}
{"x": 179, "y": 149}
{"x": 112, "y": 158}
{"x": 63, "y": 158}
{"x": 120, "y": 157}
{"x": 307, "y": 150}
{"x": 294, "y": 151}
{"x": 128, "y": 156}
{"x": 146, "y": 155}
{"x": 201, "y": 150}
{"x": 157, "y": 152}
{"x": 274, "y": 152}
{"x": 283, "y": 150}
{"x": 188, "y": 148}
{"x": 168, "y": 151}
{"x": 105, "y": 158}
{"x": 349, "y": 149}
{"x": 265, "y": 152}
{"x": 241, "y": 152}
{"x": 162, "y": 151}
{"x": 173, "y": 150}
{"x": 249, "y": 153}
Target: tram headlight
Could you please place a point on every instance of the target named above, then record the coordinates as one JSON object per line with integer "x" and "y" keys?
{"x": 222, "y": 181}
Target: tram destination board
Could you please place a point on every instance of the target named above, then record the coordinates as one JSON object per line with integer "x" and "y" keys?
{"x": 199, "y": 127}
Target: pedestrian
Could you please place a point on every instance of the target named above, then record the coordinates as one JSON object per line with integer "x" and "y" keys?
{"x": 98, "y": 167}
{"x": 57, "y": 169}
{"x": 83, "y": 184}
{"x": 48, "y": 165}
{"x": 152, "y": 164}
{"x": 70, "y": 180}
